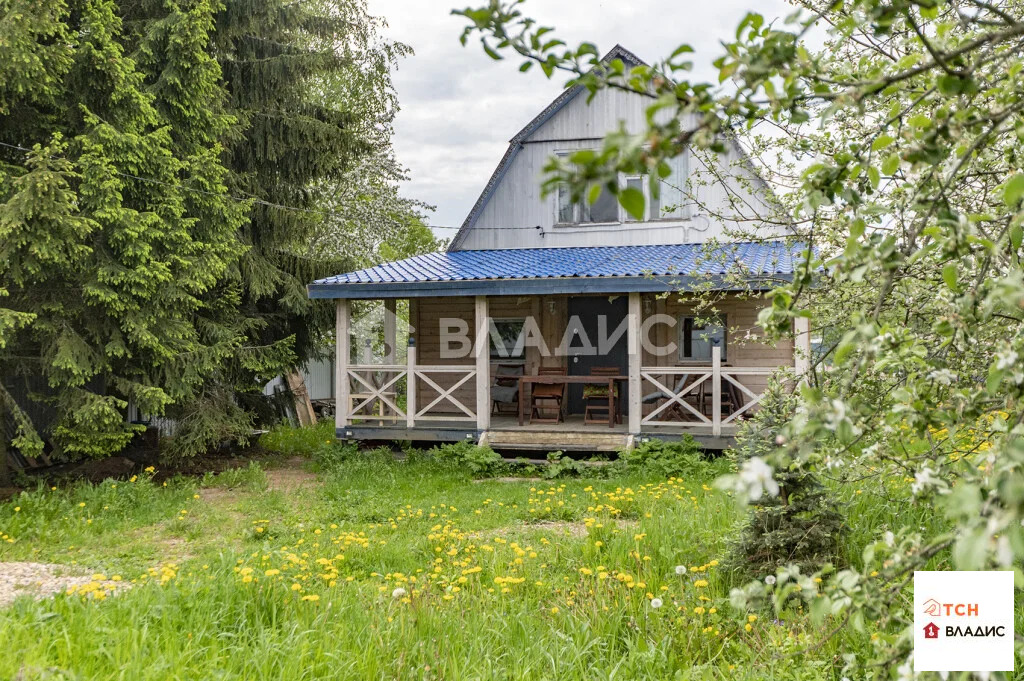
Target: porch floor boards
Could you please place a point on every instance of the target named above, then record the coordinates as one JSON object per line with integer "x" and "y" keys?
{"x": 572, "y": 434}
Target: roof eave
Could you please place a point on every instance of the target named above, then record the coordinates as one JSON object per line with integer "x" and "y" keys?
{"x": 546, "y": 286}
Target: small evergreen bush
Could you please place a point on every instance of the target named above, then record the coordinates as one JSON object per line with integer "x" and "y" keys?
{"x": 799, "y": 526}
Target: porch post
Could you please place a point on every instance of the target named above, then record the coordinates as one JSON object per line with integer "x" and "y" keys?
{"x": 802, "y": 347}
{"x": 716, "y": 391}
{"x": 635, "y": 354}
{"x": 483, "y": 364}
{"x": 410, "y": 384}
{"x": 390, "y": 331}
{"x": 341, "y": 359}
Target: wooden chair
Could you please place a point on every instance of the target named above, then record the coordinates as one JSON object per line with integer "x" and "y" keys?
{"x": 596, "y": 397}
{"x": 548, "y": 395}
{"x": 505, "y": 389}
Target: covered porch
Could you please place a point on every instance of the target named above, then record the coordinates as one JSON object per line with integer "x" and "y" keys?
{"x": 586, "y": 363}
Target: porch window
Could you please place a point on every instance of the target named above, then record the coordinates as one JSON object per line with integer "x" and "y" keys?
{"x": 697, "y": 336}
{"x": 506, "y": 335}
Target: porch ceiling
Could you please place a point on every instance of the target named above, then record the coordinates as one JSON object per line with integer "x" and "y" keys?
{"x": 615, "y": 269}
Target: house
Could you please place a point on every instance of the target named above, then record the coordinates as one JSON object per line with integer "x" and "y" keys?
{"x": 549, "y": 324}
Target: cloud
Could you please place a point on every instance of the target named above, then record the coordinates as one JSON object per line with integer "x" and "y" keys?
{"x": 459, "y": 107}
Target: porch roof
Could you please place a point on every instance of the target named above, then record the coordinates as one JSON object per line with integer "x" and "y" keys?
{"x": 597, "y": 269}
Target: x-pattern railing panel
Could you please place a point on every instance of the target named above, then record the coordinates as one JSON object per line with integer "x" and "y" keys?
{"x": 445, "y": 394}
{"x": 672, "y": 396}
{"x": 376, "y": 393}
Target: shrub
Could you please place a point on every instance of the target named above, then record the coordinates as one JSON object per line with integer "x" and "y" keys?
{"x": 562, "y": 466}
{"x": 799, "y": 526}
{"x": 251, "y": 477}
{"x": 333, "y": 454}
{"x": 666, "y": 459}
{"x": 480, "y": 460}
{"x": 291, "y": 440}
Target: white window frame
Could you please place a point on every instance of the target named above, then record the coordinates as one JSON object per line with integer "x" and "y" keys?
{"x": 683, "y": 211}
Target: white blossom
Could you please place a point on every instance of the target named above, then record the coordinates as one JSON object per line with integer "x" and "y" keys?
{"x": 755, "y": 478}
{"x": 905, "y": 672}
{"x": 925, "y": 479}
{"x": 942, "y": 376}
{"x": 1006, "y": 360}
{"x": 1004, "y": 552}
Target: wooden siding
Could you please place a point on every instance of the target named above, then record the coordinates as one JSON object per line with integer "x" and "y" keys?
{"x": 516, "y": 207}
{"x": 746, "y": 346}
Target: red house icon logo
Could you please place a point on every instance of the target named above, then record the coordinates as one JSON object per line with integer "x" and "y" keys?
{"x": 931, "y": 630}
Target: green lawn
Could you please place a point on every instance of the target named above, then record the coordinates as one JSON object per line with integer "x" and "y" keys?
{"x": 382, "y": 569}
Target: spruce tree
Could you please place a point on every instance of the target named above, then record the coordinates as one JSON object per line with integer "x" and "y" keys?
{"x": 107, "y": 251}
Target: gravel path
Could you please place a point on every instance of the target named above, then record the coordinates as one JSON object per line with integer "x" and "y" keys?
{"x": 44, "y": 580}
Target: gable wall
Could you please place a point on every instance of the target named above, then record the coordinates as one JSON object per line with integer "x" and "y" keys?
{"x": 516, "y": 207}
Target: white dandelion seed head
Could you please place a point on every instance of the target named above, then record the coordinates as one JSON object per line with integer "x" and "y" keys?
{"x": 656, "y": 603}
{"x": 680, "y": 569}
{"x": 398, "y": 592}
{"x": 769, "y": 580}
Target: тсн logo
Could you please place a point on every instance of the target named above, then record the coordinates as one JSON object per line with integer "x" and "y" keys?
{"x": 936, "y": 609}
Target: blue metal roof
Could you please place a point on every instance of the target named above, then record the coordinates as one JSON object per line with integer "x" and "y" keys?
{"x": 564, "y": 270}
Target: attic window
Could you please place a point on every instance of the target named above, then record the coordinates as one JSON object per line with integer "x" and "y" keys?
{"x": 569, "y": 212}
{"x": 605, "y": 209}
{"x": 672, "y": 202}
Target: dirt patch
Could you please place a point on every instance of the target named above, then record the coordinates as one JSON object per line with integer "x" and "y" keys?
{"x": 291, "y": 476}
{"x": 43, "y": 580}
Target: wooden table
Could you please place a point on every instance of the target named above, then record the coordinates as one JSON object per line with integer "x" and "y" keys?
{"x": 555, "y": 379}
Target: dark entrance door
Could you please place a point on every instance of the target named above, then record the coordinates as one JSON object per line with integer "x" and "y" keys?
{"x": 599, "y": 341}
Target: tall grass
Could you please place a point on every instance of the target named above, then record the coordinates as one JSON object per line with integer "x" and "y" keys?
{"x": 409, "y": 570}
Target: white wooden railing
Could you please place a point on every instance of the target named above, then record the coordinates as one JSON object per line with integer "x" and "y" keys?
{"x": 375, "y": 391}
{"x": 676, "y": 384}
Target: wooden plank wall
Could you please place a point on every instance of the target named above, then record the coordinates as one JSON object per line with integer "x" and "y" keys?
{"x": 744, "y": 340}
{"x": 746, "y": 347}
{"x": 429, "y": 313}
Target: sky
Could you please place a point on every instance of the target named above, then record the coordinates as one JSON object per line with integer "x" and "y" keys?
{"x": 459, "y": 108}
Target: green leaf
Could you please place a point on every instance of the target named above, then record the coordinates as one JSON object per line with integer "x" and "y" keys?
{"x": 873, "y": 176}
{"x": 995, "y": 377}
{"x": 820, "y": 608}
{"x": 632, "y": 199}
{"x": 1013, "y": 190}
{"x": 949, "y": 276}
{"x": 1016, "y": 236}
{"x": 919, "y": 121}
{"x": 882, "y": 142}
{"x": 891, "y": 164}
